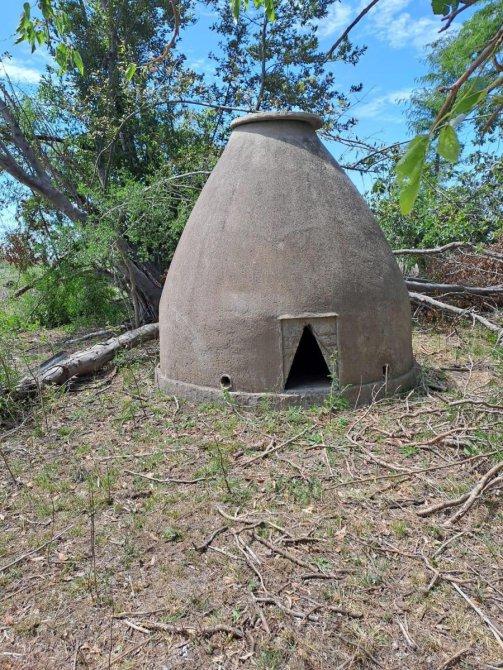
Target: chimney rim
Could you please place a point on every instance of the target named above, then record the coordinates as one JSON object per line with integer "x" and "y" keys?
{"x": 258, "y": 117}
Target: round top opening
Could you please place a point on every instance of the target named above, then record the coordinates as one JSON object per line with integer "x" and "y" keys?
{"x": 258, "y": 117}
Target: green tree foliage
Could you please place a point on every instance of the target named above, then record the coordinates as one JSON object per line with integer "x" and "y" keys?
{"x": 463, "y": 85}
{"x": 105, "y": 136}
{"x": 278, "y": 64}
{"x": 447, "y": 60}
{"x": 460, "y": 203}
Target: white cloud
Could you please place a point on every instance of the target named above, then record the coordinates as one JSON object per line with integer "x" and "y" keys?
{"x": 382, "y": 106}
{"x": 398, "y": 28}
{"x": 19, "y": 73}
{"x": 387, "y": 21}
{"x": 386, "y": 10}
{"x": 338, "y": 16}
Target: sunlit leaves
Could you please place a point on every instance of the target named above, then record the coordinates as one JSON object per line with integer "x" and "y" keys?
{"x": 444, "y": 7}
{"x": 409, "y": 169}
{"x": 62, "y": 56}
{"x": 46, "y": 9}
{"x": 66, "y": 57}
{"x": 130, "y": 71}
{"x": 236, "y": 7}
{"x": 268, "y": 6}
{"x": 470, "y": 95}
{"x": 28, "y": 29}
{"x": 77, "y": 59}
{"x": 448, "y": 144}
{"x": 38, "y": 31}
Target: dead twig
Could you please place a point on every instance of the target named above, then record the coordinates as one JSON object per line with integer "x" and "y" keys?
{"x": 36, "y": 550}
{"x": 204, "y": 546}
{"x": 405, "y": 632}
{"x": 418, "y": 471}
{"x": 192, "y": 631}
{"x": 272, "y": 450}
{"x": 498, "y": 635}
{"x": 487, "y": 481}
{"x": 454, "y": 658}
{"x": 432, "y": 302}
{"x": 169, "y": 480}
{"x": 269, "y": 600}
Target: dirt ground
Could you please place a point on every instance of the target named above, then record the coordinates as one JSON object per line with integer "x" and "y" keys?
{"x": 142, "y": 532}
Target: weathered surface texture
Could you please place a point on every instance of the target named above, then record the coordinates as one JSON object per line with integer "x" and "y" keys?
{"x": 278, "y": 230}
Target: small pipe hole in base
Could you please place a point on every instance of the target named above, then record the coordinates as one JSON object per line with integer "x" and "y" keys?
{"x": 225, "y": 382}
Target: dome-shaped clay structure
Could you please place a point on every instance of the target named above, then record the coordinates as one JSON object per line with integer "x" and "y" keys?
{"x": 282, "y": 285}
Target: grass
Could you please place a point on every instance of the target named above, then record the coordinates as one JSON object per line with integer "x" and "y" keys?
{"x": 130, "y": 543}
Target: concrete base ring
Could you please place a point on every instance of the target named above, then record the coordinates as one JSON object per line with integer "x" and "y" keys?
{"x": 306, "y": 397}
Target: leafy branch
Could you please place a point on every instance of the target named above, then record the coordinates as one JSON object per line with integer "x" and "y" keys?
{"x": 463, "y": 96}
{"x": 37, "y": 32}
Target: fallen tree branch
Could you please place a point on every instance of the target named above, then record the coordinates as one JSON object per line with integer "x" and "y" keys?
{"x": 431, "y": 287}
{"x": 90, "y": 336}
{"x": 451, "y": 246}
{"x": 84, "y": 362}
{"x": 201, "y": 548}
{"x": 169, "y": 480}
{"x": 498, "y": 635}
{"x": 192, "y": 631}
{"x": 271, "y": 450}
{"x": 432, "y": 302}
{"x": 488, "y": 481}
{"x": 435, "y": 250}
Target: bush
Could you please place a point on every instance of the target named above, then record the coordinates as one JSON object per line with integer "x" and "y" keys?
{"x": 65, "y": 296}
{"x": 463, "y": 205}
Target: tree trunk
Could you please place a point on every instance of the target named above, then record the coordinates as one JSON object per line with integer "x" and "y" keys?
{"x": 60, "y": 369}
{"x": 29, "y": 166}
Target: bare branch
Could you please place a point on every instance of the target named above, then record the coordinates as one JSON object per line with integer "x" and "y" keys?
{"x": 433, "y": 250}
{"x": 432, "y": 302}
{"x": 357, "y": 20}
{"x": 431, "y": 287}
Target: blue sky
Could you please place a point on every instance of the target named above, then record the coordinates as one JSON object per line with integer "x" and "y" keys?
{"x": 396, "y": 33}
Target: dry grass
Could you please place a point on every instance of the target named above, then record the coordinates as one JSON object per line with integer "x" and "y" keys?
{"x": 321, "y": 559}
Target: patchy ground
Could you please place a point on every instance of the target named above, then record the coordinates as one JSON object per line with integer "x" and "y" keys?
{"x": 139, "y": 532}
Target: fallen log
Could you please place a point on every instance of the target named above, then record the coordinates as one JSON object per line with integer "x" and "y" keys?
{"x": 432, "y": 302}
{"x": 83, "y": 362}
{"x": 430, "y": 287}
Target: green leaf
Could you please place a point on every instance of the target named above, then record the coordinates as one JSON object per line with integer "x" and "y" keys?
{"x": 409, "y": 169}
{"x": 412, "y": 160}
{"x": 269, "y": 9}
{"x": 130, "y": 71}
{"x": 470, "y": 95}
{"x": 61, "y": 56}
{"x": 77, "y": 59}
{"x": 268, "y": 6}
{"x": 408, "y": 194}
{"x": 443, "y": 6}
{"x": 41, "y": 36}
{"x": 235, "y": 6}
{"x": 448, "y": 144}
{"x": 46, "y": 8}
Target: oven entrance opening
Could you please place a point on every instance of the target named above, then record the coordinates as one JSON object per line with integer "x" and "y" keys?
{"x": 309, "y": 368}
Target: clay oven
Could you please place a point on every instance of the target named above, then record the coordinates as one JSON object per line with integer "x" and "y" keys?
{"x": 282, "y": 285}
